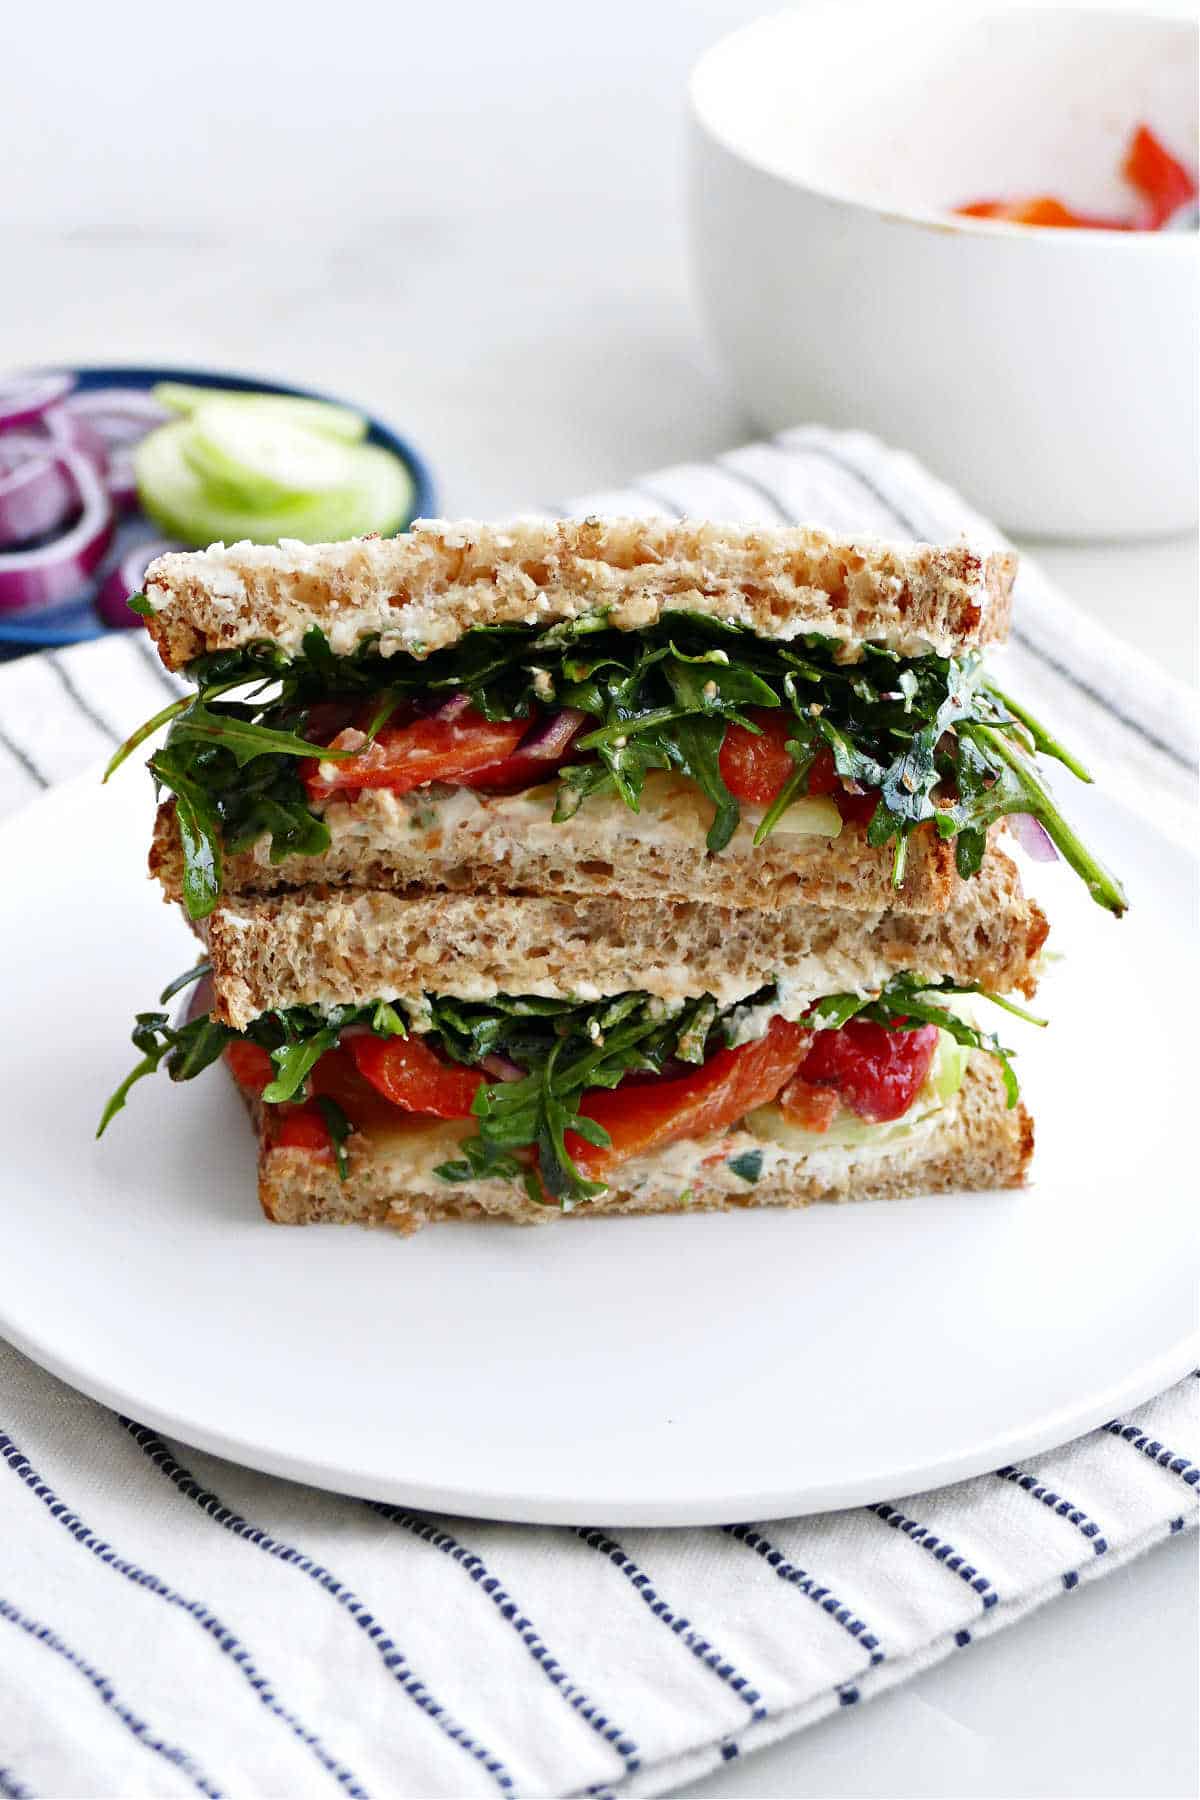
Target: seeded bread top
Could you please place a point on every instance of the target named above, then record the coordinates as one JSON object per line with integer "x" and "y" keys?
{"x": 429, "y": 586}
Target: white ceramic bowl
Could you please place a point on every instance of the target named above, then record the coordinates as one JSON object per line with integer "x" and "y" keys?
{"x": 1051, "y": 375}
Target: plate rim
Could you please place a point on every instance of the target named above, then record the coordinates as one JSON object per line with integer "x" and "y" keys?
{"x": 1054, "y": 1431}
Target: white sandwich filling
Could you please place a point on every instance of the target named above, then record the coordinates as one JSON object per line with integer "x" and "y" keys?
{"x": 454, "y": 822}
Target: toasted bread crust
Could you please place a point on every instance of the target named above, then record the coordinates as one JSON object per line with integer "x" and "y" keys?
{"x": 427, "y": 587}
{"x": 374, "y": 846}
{"x": 348, "y": 947}
{"x": 981, "y": 1145}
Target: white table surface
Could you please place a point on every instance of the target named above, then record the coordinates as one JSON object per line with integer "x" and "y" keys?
{"x": 468, "y": 217}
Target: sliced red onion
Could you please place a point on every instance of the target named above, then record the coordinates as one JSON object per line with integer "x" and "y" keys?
{"x": 452, "y": 709}
{"x": 36, "y": 492}
{"x": 120, "y": 415}
{"x": 126, "y": 579}
{"x": 60, "y": 570}
{"x": 24, "y": 398}
{"x": 77, "y": 434}
{"x": 552, "y": 736}
{"x": 122, "y": 482}
{"x": 1033, "y": 837}
{"x": 502, "y": 1068}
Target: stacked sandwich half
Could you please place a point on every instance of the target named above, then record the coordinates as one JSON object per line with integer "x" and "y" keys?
{"x": 599, "y": 866}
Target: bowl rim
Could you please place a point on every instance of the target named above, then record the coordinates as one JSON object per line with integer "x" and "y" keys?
{"x": 1156, "y": 243}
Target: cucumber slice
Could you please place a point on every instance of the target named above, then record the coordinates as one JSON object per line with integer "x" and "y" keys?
{"x": 949, "y": 1067}
{"x": 321, "y": 416}
{"x": 185, "y": 506}
{"x": 848, "y": 1131}
{"x": 259, "y": 459}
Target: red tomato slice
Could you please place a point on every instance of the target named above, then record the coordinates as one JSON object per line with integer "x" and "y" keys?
{"x": 1041, "y": 209}
{"x": 876, "y": 1072}
{"x": 403, "y": 757}
{"x": 812, "y": 1108}
{"x": 1156, "y": 174}
{"x": 755, "y": 768}
{"x": 516, "y": 772}
{"x": 249, "y": 1065}
{"x": 406, "y": 1072}
{"x": 710, "y": 1098}
{"x": 301, "y": 1128}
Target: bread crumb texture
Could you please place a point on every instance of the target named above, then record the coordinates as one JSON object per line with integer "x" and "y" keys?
{"x": 328, "y": 948}
{"x": 426, "y": 588}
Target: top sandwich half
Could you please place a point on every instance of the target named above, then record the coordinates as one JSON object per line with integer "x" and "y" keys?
{"x": 685, "y": 711}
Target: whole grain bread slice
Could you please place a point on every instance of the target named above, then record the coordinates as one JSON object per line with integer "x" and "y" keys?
{"x": 335, "y": 947}
{"x": 427, "y": 587}
{"x": 463, "y": 842}
{"x": 976, "y": 1143}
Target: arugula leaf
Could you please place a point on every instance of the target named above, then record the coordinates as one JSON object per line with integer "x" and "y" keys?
{"x": 187, "y": 1050}
{"x": 339, "y": 1128}
{"x": 936, "y": 742}
{"x": 695, "y": 748}
{"x": 748, "y": 1165}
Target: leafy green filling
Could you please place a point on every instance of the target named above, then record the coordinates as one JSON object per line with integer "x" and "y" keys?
{"x": 931, "y": 735}
{"x": 556, "y": 1050}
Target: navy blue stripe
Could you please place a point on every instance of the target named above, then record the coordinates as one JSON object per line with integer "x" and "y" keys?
{"x": 1178, "y": 1524}
{"x": 699, "y": 1645}
{"x": 213, "y": 1627}
{"x": 106, "y": 1692}
{"x": 26, "y": 762}
{"x": 11, "y": 1788}
{"x": 393, "y": 1659}
{"x": 941, "y": 1551}
{"x": 71, "y": 689}
{"x": 1071, "y": 1579}
{"x": 1062, "y": 1508}
{"x": 1158, "y": 1453}
{"x": 809, "y": 1586}
{"x": 508, "y": 1609}
{"x": 1035, "y": 649}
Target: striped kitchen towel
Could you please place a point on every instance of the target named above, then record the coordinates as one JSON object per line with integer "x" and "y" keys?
{"x": 171, "y": 1623}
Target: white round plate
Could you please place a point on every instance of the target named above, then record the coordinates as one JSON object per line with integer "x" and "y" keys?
{"x": 648, "y": 1371}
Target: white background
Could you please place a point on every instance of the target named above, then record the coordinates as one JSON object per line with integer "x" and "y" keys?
{"x": 467, "y": 216}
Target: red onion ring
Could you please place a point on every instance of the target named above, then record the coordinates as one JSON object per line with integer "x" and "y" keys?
{"x": 36, "y": 493}
{"x": 60, "y": 570}
{"x": 552, "y": 736}
{"x": 120, "y": 415}
{"x": 24, "y": 398}
{"x": 502, "y": 1068}
{"x": 126, "y": 579}
{"x": 452, "y": 709}
{"x": 1033, "y": 837}
{"x": 122, "y": 482}
{"x": 76, "y": 434}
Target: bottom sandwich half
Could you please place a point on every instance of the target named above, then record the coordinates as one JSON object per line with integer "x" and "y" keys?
{"x": 974, "y": 1141}
{"x": 407, "y": 1060}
